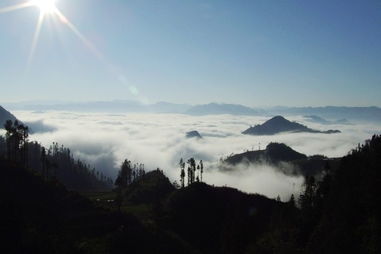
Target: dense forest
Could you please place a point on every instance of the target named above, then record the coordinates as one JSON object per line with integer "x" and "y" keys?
{"x": 338, "y": 212}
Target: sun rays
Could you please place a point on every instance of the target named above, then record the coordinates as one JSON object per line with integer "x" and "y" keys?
{"x": 49, "y": 8}
{"x": 45, "y": 6}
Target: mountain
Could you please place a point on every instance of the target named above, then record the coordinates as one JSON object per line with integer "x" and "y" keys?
{"x": 274, "y": 152}
{"x": 279, "y": 124}
{"x": 166, "y": 107}
{"x": 115, "y": 106}
{"x": 284, "y": 158}
{"x": 4, "y": 116}
{"x": 372, "y": 114}
{"x": 217, "y": 109}
{"x": 193, "y": 134}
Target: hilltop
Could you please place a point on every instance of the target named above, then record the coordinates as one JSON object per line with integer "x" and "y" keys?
{"x": 193, "y": 134}
{"x": 279, "y": 124}
{"x": 283, "y": 158}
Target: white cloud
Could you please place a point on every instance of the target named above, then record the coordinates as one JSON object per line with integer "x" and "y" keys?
{"x": 158, "y": 140}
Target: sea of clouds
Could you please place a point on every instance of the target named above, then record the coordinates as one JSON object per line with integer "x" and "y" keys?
{"x": 158, "y": 141}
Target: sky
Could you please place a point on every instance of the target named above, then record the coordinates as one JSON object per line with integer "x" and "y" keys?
{"x": 256, "y": 53}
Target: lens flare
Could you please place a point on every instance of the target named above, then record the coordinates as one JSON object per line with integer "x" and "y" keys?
{"x": 46, "y": 6}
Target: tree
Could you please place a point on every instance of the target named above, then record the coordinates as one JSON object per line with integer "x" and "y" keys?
{"x": 182, "y": 173}
{"x": 201, "y": 169}
{"x": 23, "y": 133}
{"x": 17, "y": 141}
{"x": 307, "y": 198}
{"x": 125, "y": 175}
{"x": 291, "y": 202}
{"x": 8, "y": 126}
{"x": 191, "y": 170}
{"x": 43, "y": 163}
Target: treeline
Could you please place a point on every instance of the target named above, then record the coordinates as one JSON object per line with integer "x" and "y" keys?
{"x": 194, "y": 171}
{"x": 53, "y": 163}
{"x": 339, "y": 213}
{"x": 128, "y": 173}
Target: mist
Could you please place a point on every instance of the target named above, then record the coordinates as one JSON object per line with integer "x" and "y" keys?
{"x": 158, "y": 141}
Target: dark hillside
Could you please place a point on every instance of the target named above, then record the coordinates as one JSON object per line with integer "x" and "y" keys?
{"x": 153, "y": 187}
{"x": 43, "y": 217}
{"x": 218, "y": 219}
{"x": 351, "y": 217}
{"x": 4, "y": 116}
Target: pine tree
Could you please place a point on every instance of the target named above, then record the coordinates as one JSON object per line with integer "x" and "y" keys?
{"x": 182, "y": 172}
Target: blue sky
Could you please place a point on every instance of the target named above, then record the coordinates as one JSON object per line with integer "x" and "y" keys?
{"x": 257, "y": 53}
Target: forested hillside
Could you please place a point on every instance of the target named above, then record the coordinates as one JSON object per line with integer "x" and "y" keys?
{"x": 55, "y": 162}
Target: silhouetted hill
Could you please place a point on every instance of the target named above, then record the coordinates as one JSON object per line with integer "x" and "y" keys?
{"x": 216, "y": 109}
{"x": 279, "y": 124}
{"x": 60, "y": 164}
{"x": 283, "y": 158}
{"x": 153, "y": 187}
{"x": 218, "y": 219}
{"x": 43, "y": 217}
{"x": 4, "y": 116}
{"x": 193, "y": 134}
{"x": 351, "y": 210}
{"x": 274, "y": 152}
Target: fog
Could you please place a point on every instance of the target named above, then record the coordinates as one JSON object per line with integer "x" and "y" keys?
{"x": 158, "y": 140}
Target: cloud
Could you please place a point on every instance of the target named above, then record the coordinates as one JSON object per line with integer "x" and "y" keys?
{"x": 39, "y": 126}
{"x": 257, "y": 178}
{"x": 158, "y": 140}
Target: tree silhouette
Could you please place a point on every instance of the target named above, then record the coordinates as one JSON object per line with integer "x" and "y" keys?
{"x": 182, "y": 173}
{"x": 17, "y": 141}
{"x": 201, "y": 169}
{"x": 191, "y": 170}
{"x": 124, "y": 175}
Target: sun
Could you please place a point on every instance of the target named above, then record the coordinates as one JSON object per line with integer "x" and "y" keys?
{"x": 49, "y": 8}
{"x": 46, "y": 6}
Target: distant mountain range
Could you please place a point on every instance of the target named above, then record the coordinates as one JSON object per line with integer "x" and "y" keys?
{"x": 279, "y": 124}
{"x": 216, "y": 109}
{"x": 331, "y": 113}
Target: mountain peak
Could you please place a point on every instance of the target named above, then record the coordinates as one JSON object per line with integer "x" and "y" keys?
{"x": 280, "y": 124}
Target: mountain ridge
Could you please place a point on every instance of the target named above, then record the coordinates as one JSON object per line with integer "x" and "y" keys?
{"x": 332, "y": 113}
